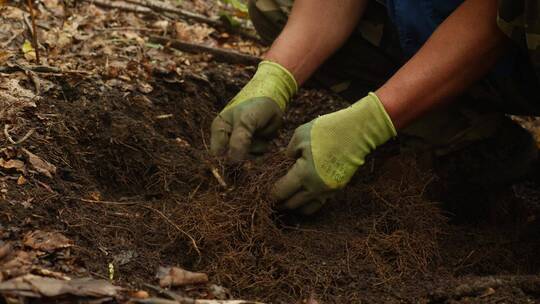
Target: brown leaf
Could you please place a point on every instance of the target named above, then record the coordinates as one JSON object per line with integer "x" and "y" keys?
{"x": 36, "y": 286}
{"x": 5, "y": 249}
{"x": 14, "y": 98}
{"x": 21, "y": 180}
{"x": 5, "y": 55}
{"x": 18, "y": 264}
{"x": 40, "y": 165}
{"x": 11, "y": 12}
{"x": 175, "y": 276}
{"x": 192, "y": 33}
{"x": 12, "y": 164}
{"x": 46, "y": 241}
{"x": 144, "y": 87}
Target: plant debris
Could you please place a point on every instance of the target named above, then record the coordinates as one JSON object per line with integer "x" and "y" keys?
{"x": 105, "y": 176}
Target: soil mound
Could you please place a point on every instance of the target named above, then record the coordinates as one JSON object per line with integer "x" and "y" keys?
{"x": 137, "y": 188}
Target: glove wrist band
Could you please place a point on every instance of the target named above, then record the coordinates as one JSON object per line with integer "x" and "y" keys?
{"x": 272, "y": 81}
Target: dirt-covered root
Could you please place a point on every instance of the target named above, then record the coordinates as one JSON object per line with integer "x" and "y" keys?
{"x": 137, "y": 188}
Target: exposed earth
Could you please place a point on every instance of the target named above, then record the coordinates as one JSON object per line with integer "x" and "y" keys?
{"x": 105, "y": 173}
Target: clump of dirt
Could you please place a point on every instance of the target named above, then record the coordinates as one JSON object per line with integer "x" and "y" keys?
{"x": 137, "y": 188}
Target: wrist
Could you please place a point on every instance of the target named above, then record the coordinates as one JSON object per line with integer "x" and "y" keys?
{"x": 272, "y": 81}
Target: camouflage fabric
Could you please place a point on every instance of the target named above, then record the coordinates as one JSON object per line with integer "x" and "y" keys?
{"x": 520, "y": 20}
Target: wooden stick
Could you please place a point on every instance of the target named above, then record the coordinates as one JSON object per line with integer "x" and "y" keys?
{"x": 153, "y": 7}
{"x": 218, "y": 53}
{"x": 39, "y": 69}
{"x": 34, "y": 32}
{"x": 162, "y": 7}
{"x": 159, "y": 6}
{"x": 122, "y": 6}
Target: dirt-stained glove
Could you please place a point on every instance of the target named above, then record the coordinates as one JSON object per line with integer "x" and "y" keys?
{"x": 329, "y": 150}
{"x": 254, "y": 115}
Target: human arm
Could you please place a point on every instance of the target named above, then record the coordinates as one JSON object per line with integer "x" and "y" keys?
{"x": 331, "y": 148}
{"x": 316, "y": 29}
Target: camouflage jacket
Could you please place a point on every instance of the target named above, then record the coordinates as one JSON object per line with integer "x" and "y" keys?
{"x": 520, "y": 20}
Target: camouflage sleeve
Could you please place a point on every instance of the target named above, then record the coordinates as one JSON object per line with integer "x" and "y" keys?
{"x": 520, "y": 20}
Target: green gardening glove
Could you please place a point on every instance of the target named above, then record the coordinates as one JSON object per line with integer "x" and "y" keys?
{"x": 330, "y": 149}
{"x": 253, "y": 116}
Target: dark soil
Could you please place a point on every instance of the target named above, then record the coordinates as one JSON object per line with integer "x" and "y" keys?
{"x": 135, "y": 188}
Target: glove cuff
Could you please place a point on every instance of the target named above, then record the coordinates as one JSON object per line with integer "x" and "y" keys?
{"x": 271, "y": 80}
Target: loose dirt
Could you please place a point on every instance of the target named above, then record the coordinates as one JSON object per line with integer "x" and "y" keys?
{"x": 135, "y": 188}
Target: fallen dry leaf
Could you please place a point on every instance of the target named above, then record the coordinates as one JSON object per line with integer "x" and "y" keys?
{"x": 5, "y": 55}
{"x": 197, "y": 33}
{"x": 14, "y": 98}
{"x": 28, "y": 51}
{"x": 11, "y": 12}
{"x": 40, "y": 165}
{"x": 36, "y": 286}
{"x": 18, "y": 263}
{"x": 161, "y": 24}
{"x": 12, "y": 164}
{"x": 46, "y": 241}
{"x": 5, "y": 249}
{"x": 141, "y": 294}
{"x": 21, "y": 180}
{"x": 175, "y": 276}
{"x": 144, "y": 87}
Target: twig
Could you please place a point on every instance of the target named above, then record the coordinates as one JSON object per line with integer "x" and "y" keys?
{"x": 220, "y": 179}
{"x": 215, "y": 22}
{"x": 152, "y": 7}
{"x": 162, "y": 7}
{"x": 193, "y": 242}
{"x": 39, "y": 69}
{"x": 34, "y": 32}
{"x": 105, "y": 202}
{"x": 20, "y": 141}
{"x": 186, "y": 300}
{"x": 219, "y": 54}
{"x": 129, "y": 28}
{"x": 122, "y": 6}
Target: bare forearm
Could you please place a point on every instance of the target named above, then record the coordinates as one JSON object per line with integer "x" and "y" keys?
{"x": 315, "y": 30}
{"x": 463, "y": 49}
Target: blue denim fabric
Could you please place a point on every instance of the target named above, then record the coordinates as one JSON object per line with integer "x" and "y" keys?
{"x": 416, "y": 20}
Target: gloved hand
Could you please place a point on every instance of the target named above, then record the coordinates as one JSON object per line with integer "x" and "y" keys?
{"x": 330, "y": 149}
{"x": 254, "y": 114}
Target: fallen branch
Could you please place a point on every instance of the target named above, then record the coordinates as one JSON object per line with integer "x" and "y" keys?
{"x": 122, "y": 6}
{"x": 219, "y": 54}
{"x": 162, "y": 7}
{"x": 154, "y": 8}
{"x": 215, "y": 22}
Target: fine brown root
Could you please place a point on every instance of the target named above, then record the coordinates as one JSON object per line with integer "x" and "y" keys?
{"x": 142, "y": 192}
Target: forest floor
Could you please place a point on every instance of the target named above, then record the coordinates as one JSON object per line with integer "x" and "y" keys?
{"x": 105, "y": 175}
